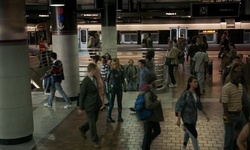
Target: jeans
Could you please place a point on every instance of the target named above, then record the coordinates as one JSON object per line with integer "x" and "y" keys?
{"x": 132, "y": 86}
{"x": 91, "y": 124}
{"x": 57, "y": 86}
{"x": 151, "y": 131}
{"x": 237, "y": 121}
{"x": 200, "y": 78}
{"x": 171, "y": 73}
{"x": 119, "y": 103}
{"x": 191, "y": 132}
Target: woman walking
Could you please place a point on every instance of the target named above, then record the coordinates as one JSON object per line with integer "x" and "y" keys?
{"x": 187, "y": 110}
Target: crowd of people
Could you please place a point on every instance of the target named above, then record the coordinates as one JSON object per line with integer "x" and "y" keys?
{"x": 109, "y": 79}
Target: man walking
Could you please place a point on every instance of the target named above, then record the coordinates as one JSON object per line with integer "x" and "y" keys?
{"x": 56, "y": 75}
{"x": 90, "y": 101}
{"x": 173, "y": 53}
{"x": 200, "y": 59}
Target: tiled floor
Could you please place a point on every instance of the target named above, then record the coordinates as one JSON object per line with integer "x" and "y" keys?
{"x": 57, "y": 128}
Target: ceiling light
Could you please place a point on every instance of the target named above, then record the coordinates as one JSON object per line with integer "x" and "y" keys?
{"x": 57, "y": 3}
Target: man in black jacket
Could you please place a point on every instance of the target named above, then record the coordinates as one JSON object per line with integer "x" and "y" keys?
{"x": 90, "y": 102}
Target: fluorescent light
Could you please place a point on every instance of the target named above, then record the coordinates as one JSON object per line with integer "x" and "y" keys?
{"x": 57, "y": 3}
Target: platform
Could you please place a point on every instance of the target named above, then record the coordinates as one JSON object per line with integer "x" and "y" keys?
{"x": 57, "y": 128}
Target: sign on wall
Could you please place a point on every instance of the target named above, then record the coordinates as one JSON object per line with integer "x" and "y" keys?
{"x": 228, "y": 9}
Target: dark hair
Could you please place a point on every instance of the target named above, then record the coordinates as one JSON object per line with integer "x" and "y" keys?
{"x": 131, "y": 60}
{"x": 53, "y": 55}
{"x": 108, "y": 55}
{"x": 150, "y": 78}
{"x": 150, "y": 54}
{"x": 171, "y": 42}
{"x": 193, "y": 40}
{"x": 142, "y": 61}
{"x": 197, "y": 90}
{"x": 149, "y": 34}
{"x": 91, "y": 67}
{"x": 96, "y": 58}
{"x": 232, "y": 44}
{"x": 204, "y": 39}
{"x": 104, "y": 58}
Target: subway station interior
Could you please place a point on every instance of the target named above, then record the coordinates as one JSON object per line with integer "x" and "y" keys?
{"x": 121, "y": 25}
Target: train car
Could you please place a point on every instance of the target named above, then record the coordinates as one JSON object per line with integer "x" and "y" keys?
{"x": 239, "y": 32}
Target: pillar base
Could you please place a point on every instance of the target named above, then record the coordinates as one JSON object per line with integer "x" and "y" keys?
{"x": 16, "y": 141}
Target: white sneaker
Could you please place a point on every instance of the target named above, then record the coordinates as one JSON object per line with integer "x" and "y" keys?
{"x": 67, "y": 106}
{"x": 172, "y": 85}
{"x": 47, "y": 105}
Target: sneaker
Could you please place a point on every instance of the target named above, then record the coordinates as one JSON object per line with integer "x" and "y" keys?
{"x": 120, "y": 119}
{"x": 110, "y": 120}
{"x": 172, "y": 85}
{"x": 47, "y": 105}
{"x": 183, "y": 148}
{"x": 132, "y": 108}
{"x": 96, "y": 145}
{"x": 67, "y": 106}
{"x": 83, "y": 133}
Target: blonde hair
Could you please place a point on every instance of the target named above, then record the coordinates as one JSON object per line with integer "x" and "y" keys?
{"x": 115, "y": 60}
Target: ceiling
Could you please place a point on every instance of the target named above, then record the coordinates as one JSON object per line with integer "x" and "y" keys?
{"x": 150, "y": 10}
{"x": 89, "y": 2}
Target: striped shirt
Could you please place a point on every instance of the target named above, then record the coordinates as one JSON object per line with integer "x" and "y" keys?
{"x": 232, "y": 95}
{"x": 104, "y": 71}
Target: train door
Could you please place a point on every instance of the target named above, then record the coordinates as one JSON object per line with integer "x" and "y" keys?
{"x": 176, "y": 32}
{"x": 82, "y": 38}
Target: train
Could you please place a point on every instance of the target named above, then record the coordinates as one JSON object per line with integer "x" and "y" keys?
{"x": 239, "y": 32}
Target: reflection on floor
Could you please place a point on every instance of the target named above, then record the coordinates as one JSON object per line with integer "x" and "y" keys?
{"x": 57, "y": 128}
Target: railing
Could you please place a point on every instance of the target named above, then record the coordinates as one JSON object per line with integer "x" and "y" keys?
{"x": 124, "y": 56}
{"x": 39, "y": 63}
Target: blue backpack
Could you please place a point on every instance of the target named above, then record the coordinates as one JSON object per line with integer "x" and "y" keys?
{"x": 141, "y": 112}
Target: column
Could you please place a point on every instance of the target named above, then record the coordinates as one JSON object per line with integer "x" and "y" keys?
{"x": 139, "y": 37}
{"x": 109, "y": 32}
{"x": 64, "y": 41}
{"x": 16, "y": 113}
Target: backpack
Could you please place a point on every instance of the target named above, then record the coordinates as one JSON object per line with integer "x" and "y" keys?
{"x": 177, "y": 105}
{"x": 141, "y": 112}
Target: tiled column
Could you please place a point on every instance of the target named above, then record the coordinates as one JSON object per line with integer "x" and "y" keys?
{"x": 109, "y": 31}
{"x": 64, "y": 41}
{"x": 16, "y": 118}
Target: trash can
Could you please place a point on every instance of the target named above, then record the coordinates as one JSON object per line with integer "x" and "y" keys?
{"x": 210, "y": 71}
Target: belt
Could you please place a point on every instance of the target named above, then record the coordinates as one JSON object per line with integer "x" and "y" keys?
{"x": 234, "y": 112}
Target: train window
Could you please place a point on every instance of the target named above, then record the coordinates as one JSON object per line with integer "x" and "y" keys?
{"x": 83, "y": 36}
{"x": 129, "y": 38}
{"x": 211, "y": 37}
{"x": 154, "y": 36}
